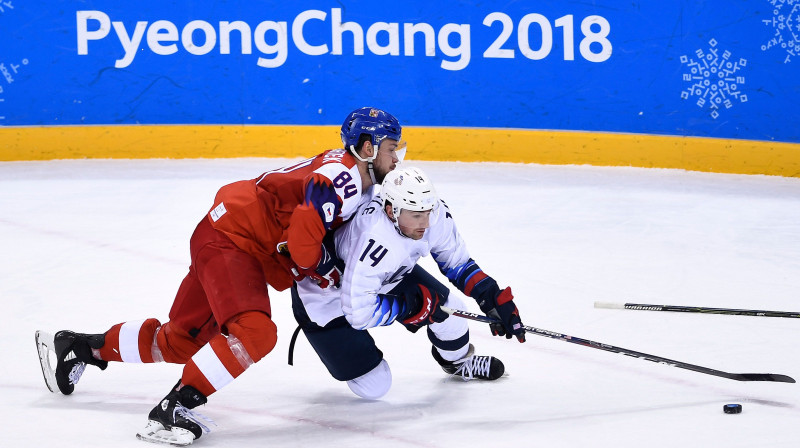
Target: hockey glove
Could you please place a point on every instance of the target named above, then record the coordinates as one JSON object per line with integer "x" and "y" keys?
{"x": 326, "y": 274}
{"x": 424, "y": 307}
{"x": 507, "y": 313}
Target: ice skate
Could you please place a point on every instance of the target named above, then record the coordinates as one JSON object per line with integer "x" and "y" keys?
{"x": 72, "y": 352}
{"x": 472, "y": 366}
{"x": 172, "y": 422}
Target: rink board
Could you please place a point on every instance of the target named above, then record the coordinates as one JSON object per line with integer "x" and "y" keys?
{"x": 697, "y": 85}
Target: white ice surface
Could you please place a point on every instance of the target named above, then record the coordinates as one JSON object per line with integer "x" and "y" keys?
{"x": 88, "y": 244}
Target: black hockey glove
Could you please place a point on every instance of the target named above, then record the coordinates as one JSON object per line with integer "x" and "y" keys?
{"x": 502, "y": 308}
{"x": 424, "y": 308}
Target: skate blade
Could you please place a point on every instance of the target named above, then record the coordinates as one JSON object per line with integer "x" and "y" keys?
{"x": 45, "y": 346}
{"x": 155, "y": 432}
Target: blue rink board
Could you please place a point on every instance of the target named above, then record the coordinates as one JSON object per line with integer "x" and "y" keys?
{"x": 714, "y": 68}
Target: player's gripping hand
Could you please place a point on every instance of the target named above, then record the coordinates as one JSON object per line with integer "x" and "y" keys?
{"x": 326, "y": 274}
{"x": 505, "y": 311}
{"x": 424, "y": 307}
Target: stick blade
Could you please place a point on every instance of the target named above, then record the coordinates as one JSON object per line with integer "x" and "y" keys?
{"x": 774, "y": 377}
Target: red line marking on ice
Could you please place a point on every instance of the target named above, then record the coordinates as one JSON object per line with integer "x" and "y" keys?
{"x": 93, "y": 243}
{"x": 292, "y": 418}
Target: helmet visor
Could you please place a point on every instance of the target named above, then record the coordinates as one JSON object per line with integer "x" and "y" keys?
{"x": 400, "y": 152}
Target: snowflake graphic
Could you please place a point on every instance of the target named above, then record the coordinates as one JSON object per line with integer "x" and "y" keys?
{"x": 5, "y": 6}
{"x": 786, "y": 24}
{"x": 713, "y": 79}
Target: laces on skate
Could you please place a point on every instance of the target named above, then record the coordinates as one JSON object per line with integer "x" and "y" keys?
{"x": 193, "y": 416}
{"x": 76, "y": 373}
{"x": 474, "y": 366}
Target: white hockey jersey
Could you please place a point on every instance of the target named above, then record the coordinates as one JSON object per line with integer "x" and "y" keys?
{"x": 377, "y": 256}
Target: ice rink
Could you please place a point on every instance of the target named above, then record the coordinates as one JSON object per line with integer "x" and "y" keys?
{"x": 90, "y": 243}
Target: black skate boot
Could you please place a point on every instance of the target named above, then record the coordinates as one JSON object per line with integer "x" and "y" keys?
{"x": 73, "y": 352}
{"x": 471, "y": 366}
{"x": 172, "y": 422}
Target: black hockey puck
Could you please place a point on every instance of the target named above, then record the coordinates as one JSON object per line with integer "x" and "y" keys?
{"x": 732, "y": 409}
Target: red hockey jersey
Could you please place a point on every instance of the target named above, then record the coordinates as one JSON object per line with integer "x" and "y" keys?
{"x": 296, "y": 204}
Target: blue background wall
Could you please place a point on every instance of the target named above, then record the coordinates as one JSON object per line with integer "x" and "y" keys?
{"x": 664, "y": 58}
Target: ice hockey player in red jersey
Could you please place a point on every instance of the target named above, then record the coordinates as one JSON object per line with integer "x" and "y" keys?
{"x": 267, "y": 230}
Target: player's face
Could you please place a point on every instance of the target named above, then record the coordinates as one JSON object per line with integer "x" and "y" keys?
{"x": 413, "y": 224}
{"x": 386, "y": 160}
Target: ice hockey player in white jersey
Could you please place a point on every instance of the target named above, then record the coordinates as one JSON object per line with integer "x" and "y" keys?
{"x": 381, "y": 284}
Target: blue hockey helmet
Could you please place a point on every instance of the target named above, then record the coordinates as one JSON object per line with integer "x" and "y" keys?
{"x": 369, "y": 120}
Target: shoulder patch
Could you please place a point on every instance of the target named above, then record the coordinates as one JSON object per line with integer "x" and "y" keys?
{"x": 329, "y": 210}
{"x": 218, "y": 212}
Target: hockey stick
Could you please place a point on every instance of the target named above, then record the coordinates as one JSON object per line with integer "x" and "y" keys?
{"x": 694, "y": 309}
{"x": 614, "y": 349}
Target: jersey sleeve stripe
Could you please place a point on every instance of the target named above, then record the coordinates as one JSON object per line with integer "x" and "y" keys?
{"x": 473, "y": 280}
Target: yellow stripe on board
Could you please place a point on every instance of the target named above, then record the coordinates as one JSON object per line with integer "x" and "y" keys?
{"x": 603, "y": 149}
{"x": 447, "y": 144}
{"x": 162, "y": 141}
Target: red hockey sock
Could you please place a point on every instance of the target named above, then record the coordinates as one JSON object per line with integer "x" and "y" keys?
{"x": 132, "y": 341}
{"x": 252, "y": 335}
